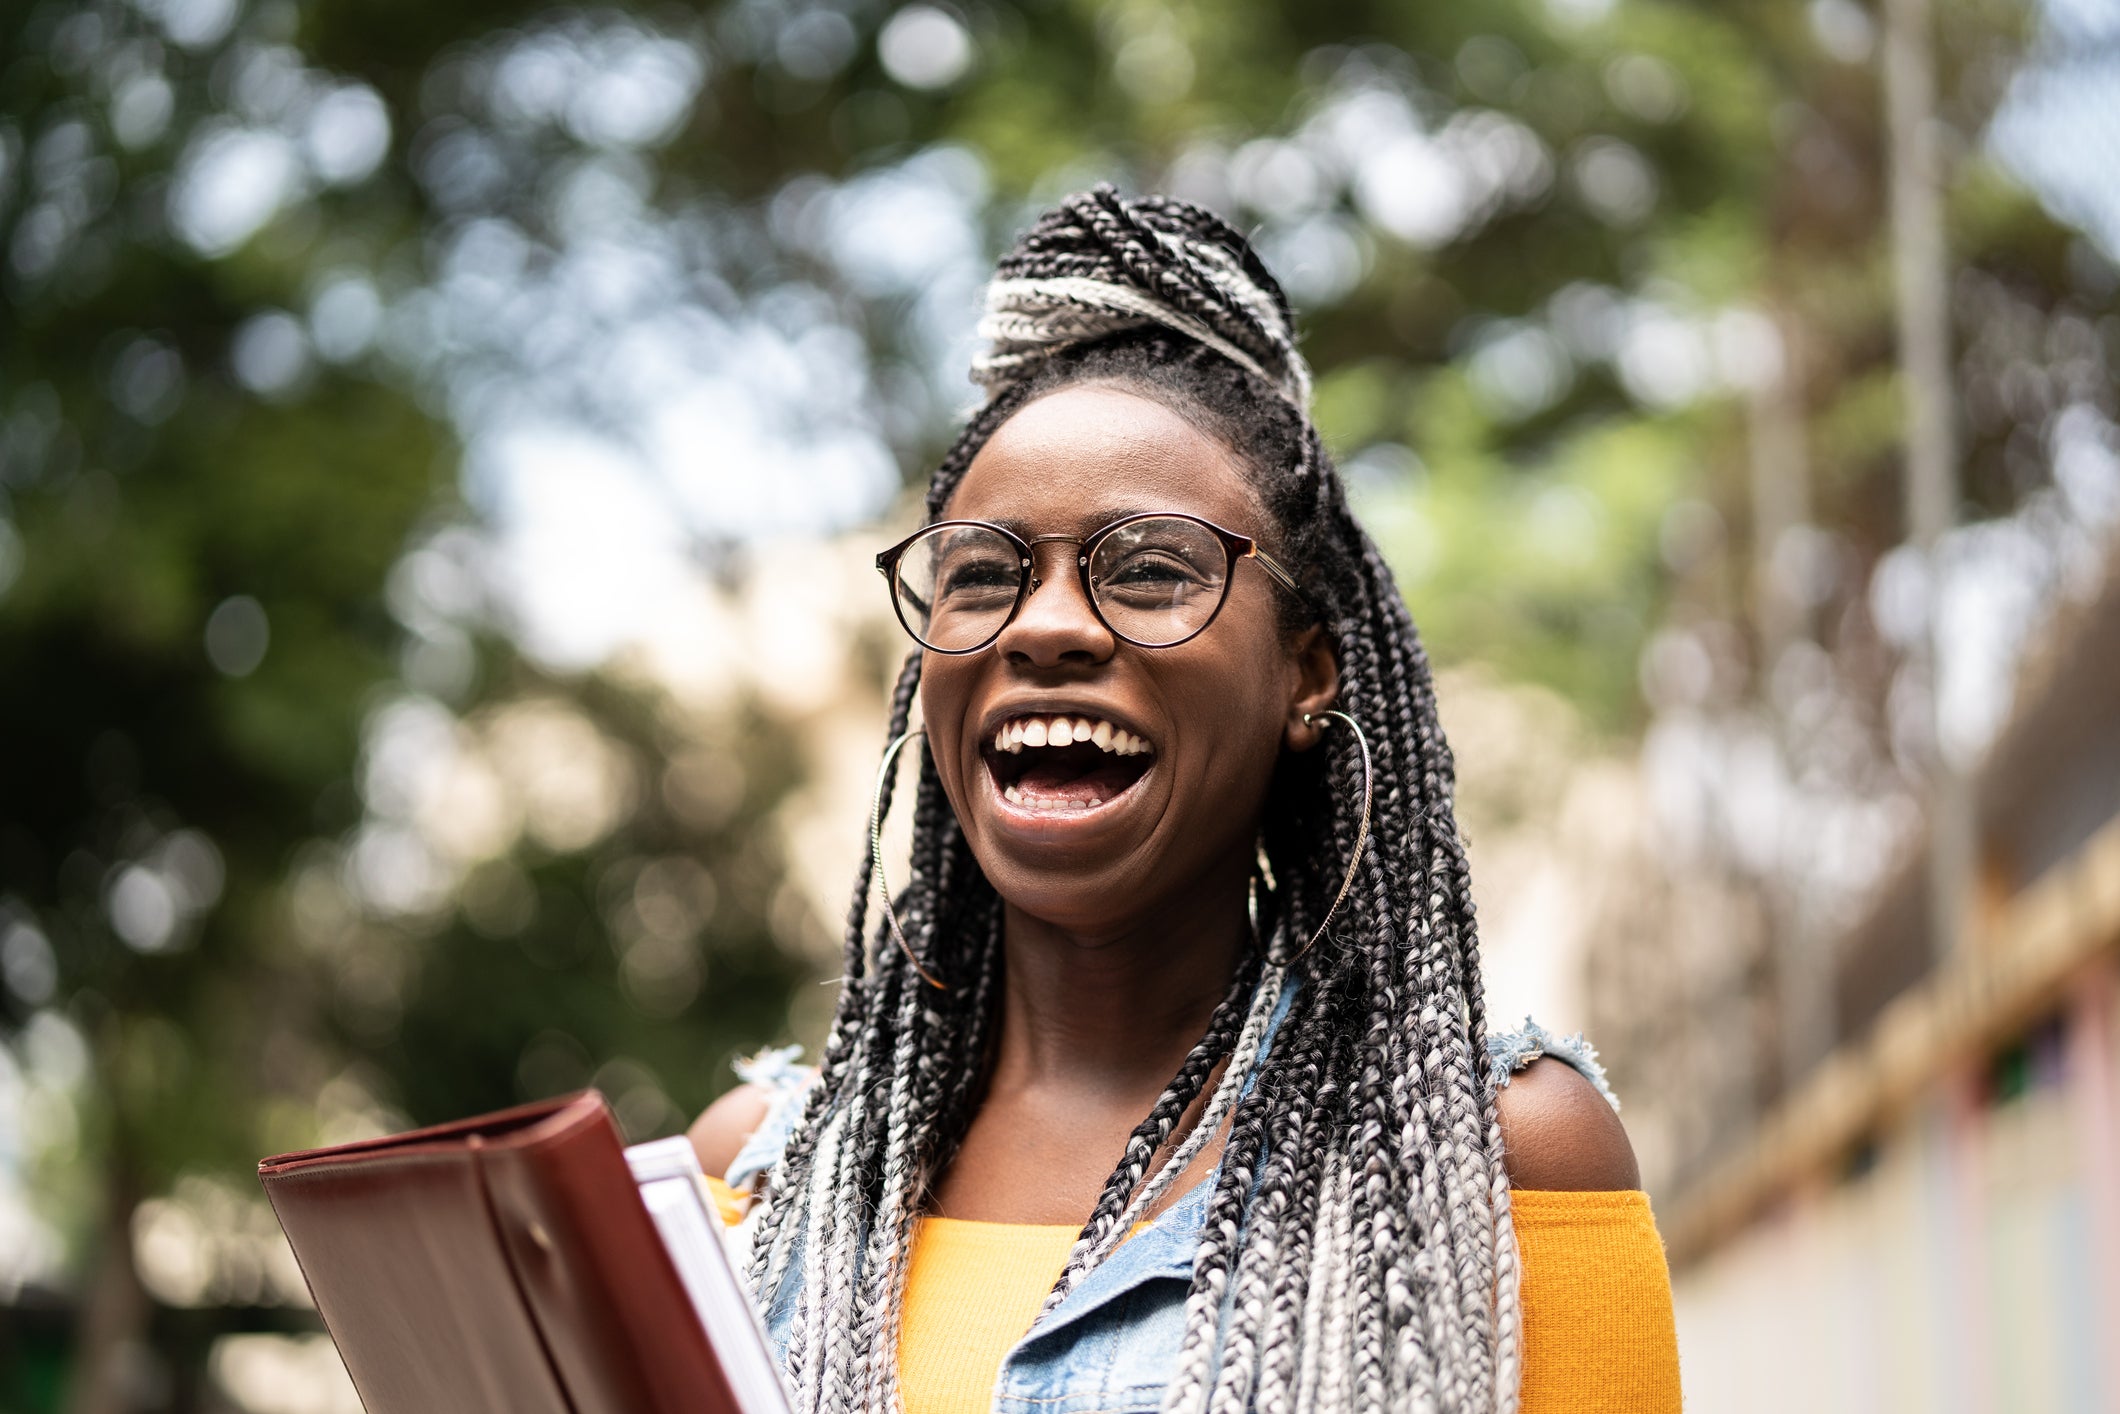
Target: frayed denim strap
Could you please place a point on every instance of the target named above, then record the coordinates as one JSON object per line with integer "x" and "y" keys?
{"x": 780, "y": 1072}
{"x": 1510, "y": 1051}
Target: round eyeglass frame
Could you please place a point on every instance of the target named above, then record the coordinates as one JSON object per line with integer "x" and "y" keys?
{"x": 1235, "y": 547}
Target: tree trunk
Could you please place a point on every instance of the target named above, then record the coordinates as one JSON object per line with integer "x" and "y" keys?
{"x": 114, "y": 1310}
{"x": 1921, "y": 283}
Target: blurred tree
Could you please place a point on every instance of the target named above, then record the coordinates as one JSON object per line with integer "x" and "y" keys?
{"x": 190, "y": 627}
{"x": 206, "y": 479}
{"x": 1548, "y": 254}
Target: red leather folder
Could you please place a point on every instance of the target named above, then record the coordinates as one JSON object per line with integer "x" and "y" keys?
{"x": 498, "y": 1265}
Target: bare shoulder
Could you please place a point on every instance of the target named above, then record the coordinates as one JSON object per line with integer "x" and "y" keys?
{"x": 721, "y": 1130}
{"x": 1559, "y": 1135}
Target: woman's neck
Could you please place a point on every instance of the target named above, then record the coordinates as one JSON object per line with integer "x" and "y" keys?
{"x": 1114, "y": 1015}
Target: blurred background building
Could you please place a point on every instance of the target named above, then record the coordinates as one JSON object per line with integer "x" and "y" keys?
{"x": 441, "y": 448}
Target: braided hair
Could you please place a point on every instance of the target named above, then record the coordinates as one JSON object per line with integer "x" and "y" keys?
{"x": 1357, "y": 1253}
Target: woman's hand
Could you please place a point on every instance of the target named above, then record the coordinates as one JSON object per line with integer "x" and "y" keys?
{"x": 1559, "y": 1135}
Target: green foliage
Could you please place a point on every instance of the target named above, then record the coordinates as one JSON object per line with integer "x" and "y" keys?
{"x": 644, "y": 963}
{"x": 195, "y": 631}
{"x": 1551, "y": 578}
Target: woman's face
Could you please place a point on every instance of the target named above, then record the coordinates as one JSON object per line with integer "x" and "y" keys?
{"x": 1100, "y": 835}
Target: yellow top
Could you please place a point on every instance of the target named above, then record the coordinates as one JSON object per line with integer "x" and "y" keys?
{"x": 973, "y": 1290}
{"x": 1598, "y": 1333}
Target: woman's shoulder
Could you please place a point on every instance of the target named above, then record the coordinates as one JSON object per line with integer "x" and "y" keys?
{"x": 725, "y": 1126}
{"x": 742, "y": 1132}
{"x": 1560, "y": 1123}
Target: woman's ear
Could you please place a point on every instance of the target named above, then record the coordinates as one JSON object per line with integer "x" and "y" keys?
{"x": 1317, "y": 688}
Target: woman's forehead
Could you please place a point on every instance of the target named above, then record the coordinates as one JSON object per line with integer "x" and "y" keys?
{"x": 1076, "y": 458}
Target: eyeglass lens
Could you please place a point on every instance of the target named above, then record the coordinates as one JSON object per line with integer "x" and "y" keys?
{"x": 1154, "y": 581}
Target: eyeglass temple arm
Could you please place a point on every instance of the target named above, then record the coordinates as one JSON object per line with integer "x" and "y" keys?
{"x": 1272, "y": 567}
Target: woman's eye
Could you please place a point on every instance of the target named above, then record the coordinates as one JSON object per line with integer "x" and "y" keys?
{"x": 979, "y": 577}
{"x": 1153, "y": 567}
{"x": 1154, "y": 579}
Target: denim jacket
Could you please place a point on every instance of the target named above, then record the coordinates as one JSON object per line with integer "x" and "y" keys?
{"x": 1109, "y": 1347}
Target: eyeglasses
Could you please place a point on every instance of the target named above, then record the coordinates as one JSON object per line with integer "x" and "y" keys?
{"x": 1155, "y": 579}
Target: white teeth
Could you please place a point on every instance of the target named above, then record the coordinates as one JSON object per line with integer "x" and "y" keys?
{"x": 1013, "y": 736}
{"x": 1014, "y": 794}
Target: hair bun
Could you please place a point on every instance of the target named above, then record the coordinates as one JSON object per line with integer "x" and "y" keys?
{"x": 1100, "y": 263}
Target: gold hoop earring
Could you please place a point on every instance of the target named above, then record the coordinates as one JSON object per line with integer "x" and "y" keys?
{"x": 1361, "y": 834}
{"x": 883, "y": 777}
{"x": 1261, "y": 873}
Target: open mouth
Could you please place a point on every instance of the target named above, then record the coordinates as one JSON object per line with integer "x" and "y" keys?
{"x": 1065, "y": 765}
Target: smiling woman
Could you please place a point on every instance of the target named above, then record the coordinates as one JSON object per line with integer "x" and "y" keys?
{"x": 1166, "y": 1082}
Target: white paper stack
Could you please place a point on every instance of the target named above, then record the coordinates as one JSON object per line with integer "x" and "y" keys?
{"x": 675, "y": 1194}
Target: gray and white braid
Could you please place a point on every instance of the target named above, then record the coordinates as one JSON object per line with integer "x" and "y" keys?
{"x": 1357, "y": 1255}
{"x": 1100, "y": 266}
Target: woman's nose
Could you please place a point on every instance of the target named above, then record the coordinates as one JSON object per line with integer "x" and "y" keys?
{"x": 1057, "y": 622}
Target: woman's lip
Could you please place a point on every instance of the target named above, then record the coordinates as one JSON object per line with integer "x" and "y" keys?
{"x": 1056, "y": 826}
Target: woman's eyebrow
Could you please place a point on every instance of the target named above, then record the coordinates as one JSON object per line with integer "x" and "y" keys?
{"x": 1092, "y": 520}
